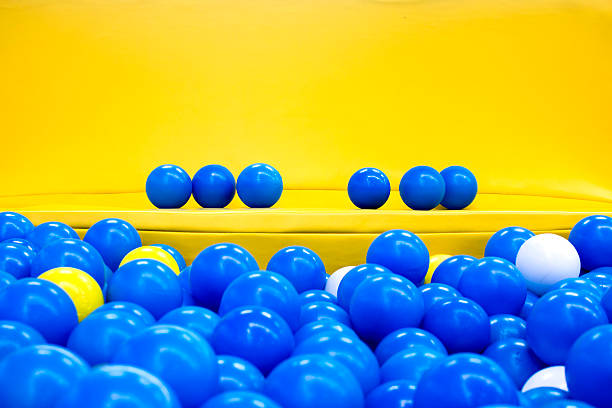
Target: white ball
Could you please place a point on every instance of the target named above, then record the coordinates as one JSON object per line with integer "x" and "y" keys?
{"x": 546, "y": 259}
{"x": 549, "y": 377}
{"x": 335, "y": 278}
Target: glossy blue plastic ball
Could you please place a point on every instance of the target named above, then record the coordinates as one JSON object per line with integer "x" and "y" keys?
{"x": 263, "y": 288}
{"x": 568, "y": 403}
{"x": 16, "y": 335}
{"x": 213, "y": 186}
{"x": 606, "y": 304}
{"x": 257, "y": 334}
{"x": 495, "y": 284}
{"x": 21, "y": 241}
{"x": 168, "y": 186}
{"x": 198, "y": 319}
{"x": 461, "y": 324}
{"x": 393, "y": 394}
{"x": 402, "y": 252}
{"x": 505, "y": 326}
{"x": 530, "y": 301}
{"x": 292, "y": 384}
{"x": 42, "y": 305}
{"x": 405, "y": 339}
{"x": 98, "y": 337}
{"x": 516, "y": 358}
{"x": 185, "y": 281}
{"x": 237, "y": 374}
{"x": 410, "y": 364}
{"x": 259, "y": 185}
{"x": 461, "y": 187}
{"x": 445, "y": 386}
{"x": 592, "y": 238}
{"x": 539, "y": 397}
{"x": 558, "y": 319}
{"x": 47, "y": 232}
{"x": 5, "y": 280}
{"x": 114, "y": 386}
{"x": 434, "y": 292}
{"x": 321, "y": 327}
{"x": 16, "y": 259}
{"x": 319, "y": 311}
{"x": 579, "y": 284}
{"x": 113, "y": 238}
{"x": 422, "y": 188}
{"x": 369, "y": 188}
{"x": 316, "y": 295}
{"x": 302, "y": 266}
{"x": 14, "y": 225}
{"x": 506, "y": 242}
{"x": 38, "y": 376}
{"x": 450, "y": 270}
{"x": 348, "y": 350}
{"x": 240, "y": 399}
{"x": 215, "y": 268}
{"x": 602, "y": 277}
{"x": 128, "y": 307}
{"x": 148, "y": 283}
{"x": 180, "y": 261}
{"x": 353, "y": 278}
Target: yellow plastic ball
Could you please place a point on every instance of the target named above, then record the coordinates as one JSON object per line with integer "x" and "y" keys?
{"x": 434, "y": 261}
{"x": 151, "y": 252}
{"x": 80, "y": 286}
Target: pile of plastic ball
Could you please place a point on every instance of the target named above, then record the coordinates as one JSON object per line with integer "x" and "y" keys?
{"x": 105, "y": 322}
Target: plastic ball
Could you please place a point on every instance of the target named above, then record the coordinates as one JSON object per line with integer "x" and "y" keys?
{"x": 434, "y": 292}
{"x": 314, "y": 381}
{"x": 506, "y": 326}
{"x": 530, "y": 301}
{"x": 240, "y": 399}
{"x": 114, "y": 239}
{"x": 579, "y": 284}
{"x": 393, "y": 394}
{"x": 461, "y": 324}
{"x": 461, "y": 187}
{"x": 318, "y": 311}
{"x": 405, "y": 339}
{"x": 259, "y": 185}
{"x": 402, "y": 252}
{"x": 515, "y": 357}
{"x": 333, "y": 282}
{"x": 434, "y": 262}
{"x": 348, "y": 350}
{"x": 198, "y": 319}
{"x": 128, "y": 307}
{"x": 553, "y": 376}
{"x": 237, "y": 374}
{"x": 16, "y": 259}
{"x": 180, "y": 261}
{"x": 113, "y": 386}
{"x": 5, "y": 280}
{"x": 546, "y": 259}
{"x": 14, "y": 225}
{"x": 47, "y": 232}
{"x": 384, "y": 303}
{"x": 148, "y": 283}
{"x": 558, "y": 319}
{"x": 215, "y": 268}
{"x": 168, "y": 186}
{"x": 495, "y": 284}
{"x": 566, "y": 403}
{"x": 42, "y": 305}
{"x": 506, "y": 242}
{"x": 262, "y": 288}
{"x": 38, "y": 376}
{"x": 592, "y": 238}
{"x": 537, "y": 397}
{"x": 602, "y": 277}
{"x": 321, "y": 328}
{"x": 589, "y": 367}
{"x": 353, "y": 278}
{"x": 422, "y": 188}
{"x": 21, "y": 241}
{"x": 257, "y": 334}
{"x": 15, "y": 335}
{"x": 152, "y": 252}
{"x": 213, "y": 186}
{"x": 316, "y": 295}
{"x": 410, "y": 364}
{"x": 302, "y": 266}
{"x": 450, "y": 270}
{"x": 185, "y": 281}
{"x": 606, "y": 304}
{"x": 369, "y": 188}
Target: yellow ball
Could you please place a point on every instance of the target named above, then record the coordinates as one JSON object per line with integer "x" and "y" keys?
{"x": 434, "y": 261}
{"x": 151, "y": 252}
{"x": 80, "y": 286}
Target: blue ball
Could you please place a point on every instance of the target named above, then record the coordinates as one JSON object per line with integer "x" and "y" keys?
{"x": 445, "y": 386}
{"x": 579, "y": 284}
{"x": 5, "y": 280}
{"x": 592, "y": 237}
{"x": 538, "y": 397}
{"x": 606, "y": 303}
{"x": 505, "y": 326}
{"x": 168, "y": 186}
{"x": 602, "y": 277}
{"x": 113, "y": 238}
{"x": 410, "y": 364}
{"x": 402, "y": 252}
{"x": 320, "y": 328}
{"x": 112, "y": 386}
{"x": 47, "y": 232}
{"x": 198, "y": 319}
{"x": 506, "y": 243}
{"x": 495, "y": 284}
{"x": 185, "y": 281}
{"x": 516, "y": 358}
{"x": 422, "y": 188}
{"x": 148, "y": 283}
{"x": 237, "y": 374}
{"x": 302, "y": 266}
{"x": 461, "y": 187}
{"x": 72, "y": 253}
{"x": 291, "y": 385}
{"x": 461, "y": 324}
{"x": 384, "y": 303}
{"x": 42, "y": 305}
{"x": 435, "y": 292}
{"x": 353, "y": 278}
{"x": 348, "y": 350}
{"x": 530, "y": 302}
{"x": 14, "y": 225}
{"x": 566, "y": 403}
{"x": 558, "y": 319}
{"x": 129, "y": 307}
{"x": 450, "y": 270}
{"x": 259, "y": 185}
{"x": 15, "y": 335}
{"x": 316, "y": 295}
{"x": 369, "y": 188}
{"x": 180, "y": 261}
{"x": 257, "y": 334}
{"x": 213, "y": 186}
{"x": 262, "y": 288}
{"x": 21, "y": 241}
{"x": 16, "y": 260}
{"x": 38, "y": 376}
{"x": 319, "y": 311}
{"x": 404, "y": 339}
{"x": 215, "y": 268}
{"x": 240, "y": 399}
{"x": 393, "y": 394}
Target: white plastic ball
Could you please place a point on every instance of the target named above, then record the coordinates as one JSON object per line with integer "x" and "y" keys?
{"x": 549, "y": 377}
{"x": 546, "y": 259}
{"x": 335, "y": 278}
